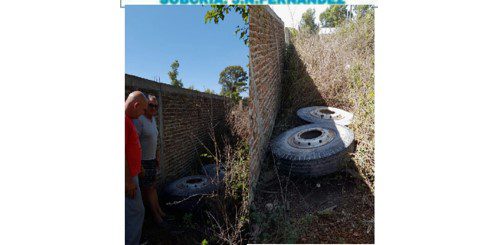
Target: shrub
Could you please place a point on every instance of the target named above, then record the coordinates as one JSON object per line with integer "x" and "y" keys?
{"x": 229, "y": 211}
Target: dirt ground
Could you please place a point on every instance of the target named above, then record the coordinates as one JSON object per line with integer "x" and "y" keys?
{"x": 341, "y": 206}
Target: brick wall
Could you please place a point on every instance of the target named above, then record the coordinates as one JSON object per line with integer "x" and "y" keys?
{"x": 184, "y": 122}
{"x": 267, "y": 47}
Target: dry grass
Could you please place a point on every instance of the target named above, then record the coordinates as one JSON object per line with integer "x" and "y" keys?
{"x": 337, "y": 70}
{"x": 229, "y": 211}
{"x": 229, "y": 214}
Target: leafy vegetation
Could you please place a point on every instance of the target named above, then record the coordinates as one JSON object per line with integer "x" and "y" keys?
{"x": 218, "y": 12}
{"x": 173, "y": 75}
{"x": 234, "y": 81}
{"x": 229, "y": 210}
{"x": 307, "y": 23}
{"x": 333, "y": 16}
{"x": 293, "y": 31}
{"x": 363, "y": 10}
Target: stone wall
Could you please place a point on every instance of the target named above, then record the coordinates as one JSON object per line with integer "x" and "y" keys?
{"x": 184, "y": 121}
{"x": 267, "y": 47}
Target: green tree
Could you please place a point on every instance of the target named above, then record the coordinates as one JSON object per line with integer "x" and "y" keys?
{"x": 234, "y": 81}
{"x": 192, "y": 88}
{"x": 174, "y": 81}
{"x": 307, "y": 22}
{"x": 333, "y": 16}
{"x": 218, "y": 12}
{"x": 362, "y": 10}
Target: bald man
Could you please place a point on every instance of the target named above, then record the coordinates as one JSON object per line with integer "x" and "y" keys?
{"x": 135, "y": 106}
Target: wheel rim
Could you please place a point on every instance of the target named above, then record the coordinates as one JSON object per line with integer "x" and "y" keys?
{"x": 326, "y": 113}
{"x": 312, "y": 138}
{"x": 194, "y": 183}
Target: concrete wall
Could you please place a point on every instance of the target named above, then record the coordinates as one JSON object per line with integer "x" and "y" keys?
{"x": 184, "y": 121}
{"x": 267, "y": 48}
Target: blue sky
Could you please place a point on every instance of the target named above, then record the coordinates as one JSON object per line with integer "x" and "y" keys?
{"x": 155, "y": 36}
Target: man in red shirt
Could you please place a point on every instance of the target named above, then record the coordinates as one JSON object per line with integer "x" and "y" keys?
{"x": 135, "y": 106}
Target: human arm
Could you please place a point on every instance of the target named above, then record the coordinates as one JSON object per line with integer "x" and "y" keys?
{"x": 139, "y": 127}
{"x": 130, "y": 186}
{"x": 156, "y": 157}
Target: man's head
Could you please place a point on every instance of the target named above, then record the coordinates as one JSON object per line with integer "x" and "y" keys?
{"x": 152, "y": 106}
{"x": 136, "y": 104}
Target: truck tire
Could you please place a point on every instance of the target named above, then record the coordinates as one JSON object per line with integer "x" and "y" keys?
{"x": 189, "y": 186}
{"x": 325, "y": 114}
{"x": 313, "y": 149}
{"x": 187, "y": 192}
{"x": 211, "y": 171}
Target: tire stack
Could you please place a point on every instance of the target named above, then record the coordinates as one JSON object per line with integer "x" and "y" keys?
{"x": 319, "y": 148}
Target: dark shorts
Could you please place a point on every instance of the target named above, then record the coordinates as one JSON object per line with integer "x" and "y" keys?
{"x": 149, "y": 173}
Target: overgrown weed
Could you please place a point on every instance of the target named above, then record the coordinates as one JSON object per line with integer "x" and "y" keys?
{"x": 229, "y": 211}
{"x": 275, "y": 226}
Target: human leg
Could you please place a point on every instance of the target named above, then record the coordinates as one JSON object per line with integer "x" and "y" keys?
{"x": 134, "y": 216}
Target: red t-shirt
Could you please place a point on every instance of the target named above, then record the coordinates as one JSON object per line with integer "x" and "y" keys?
{"x": 132, "y": 147}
